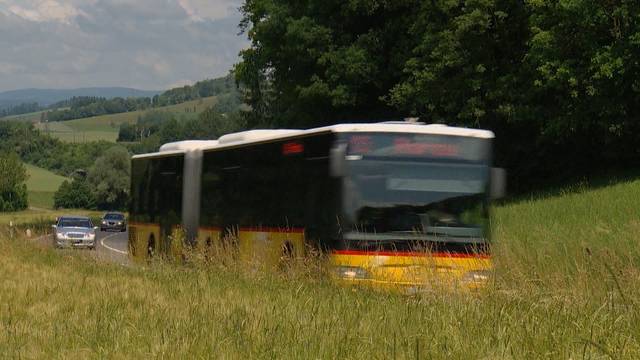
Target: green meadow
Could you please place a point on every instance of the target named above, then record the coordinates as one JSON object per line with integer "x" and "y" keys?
{"x": 41, "y": 185}
{"x": 106, "y": 127}
{"x": 33, "y": 117}
{"x": 566, "y": 286}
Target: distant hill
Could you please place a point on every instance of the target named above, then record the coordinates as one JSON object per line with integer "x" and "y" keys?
{"x": 45, "y": 97}
{"x": 106, "y": 127}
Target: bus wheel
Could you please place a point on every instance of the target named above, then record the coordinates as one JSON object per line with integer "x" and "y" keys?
{"x": 151, "y": 246}
{"x": 206, "y": 250}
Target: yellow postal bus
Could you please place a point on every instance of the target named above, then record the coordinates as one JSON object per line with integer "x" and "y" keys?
{"x": 390, "y": 204}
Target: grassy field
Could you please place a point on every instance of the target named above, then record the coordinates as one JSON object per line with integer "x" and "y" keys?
{"x": 33, "y": 117}
{"x": 41, "y": 185}
{"x": 35, "y": 216}
{"x": 567, "y": 285}
{"x": 106, "y": 127}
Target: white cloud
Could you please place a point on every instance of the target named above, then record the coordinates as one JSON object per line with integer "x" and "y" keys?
{"x": 9, "y": 68}
{"x": 138, "y": 43}
{"x": 208, "y": 9}
{"x": 179, "y": 83}
{"x": 154, "y": 62}
{"x": 25, "y": 13}
{"x": 47, "y": 10}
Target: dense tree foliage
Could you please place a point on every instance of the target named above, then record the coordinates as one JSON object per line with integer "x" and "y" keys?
{"x": 20, "y": 109}
{"x": 52, "y": 154}
{"x": 204, "y": 88}
{"x": 145, "y": 126}
{"x": 318, "y": 62}
{"x": 109, "y": 179}
{"x": 81, "y": 107}
{"x": 76, "y": 194}
{"x": 556, "y": 80}
{"x": 13, "y": 189}
{"x": 105, "y": 186}
{"x": 156, "y": 128}
{"x": 25, "y": 143}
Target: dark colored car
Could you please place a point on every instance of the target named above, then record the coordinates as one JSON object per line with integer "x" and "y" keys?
{"x": 74, "y": 232}
{"x": 113, "y": 221}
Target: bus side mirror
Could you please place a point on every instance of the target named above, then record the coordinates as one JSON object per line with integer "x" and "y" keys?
{"x": 337, "y": 161}
{"x": 498, "y": 183}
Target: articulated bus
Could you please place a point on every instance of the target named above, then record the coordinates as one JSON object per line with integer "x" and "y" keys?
{"x": 388, "y": 204}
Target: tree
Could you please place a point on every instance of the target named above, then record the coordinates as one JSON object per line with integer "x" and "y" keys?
{"x": 557, "y": 81}
{"x": 587, "y": 77}
{"x": 211, "y": 124}
{"x": 74, "y": 195}
{"x": 13, "y": 189}
{"x": 320, "y": 62}
{"x": 109, "y": 179}
{"x": 127, "y": 132}
{"x": 467, "y": 68}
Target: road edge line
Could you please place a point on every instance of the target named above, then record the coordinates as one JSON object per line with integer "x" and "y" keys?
{"x": 109, "y": 247}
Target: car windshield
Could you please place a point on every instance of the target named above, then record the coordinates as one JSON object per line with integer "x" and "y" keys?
{"x": 77, "y": 223}
{"x": 114, "y": 217}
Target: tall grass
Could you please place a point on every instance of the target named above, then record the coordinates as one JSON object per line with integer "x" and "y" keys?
{"x": 567, "y": 285}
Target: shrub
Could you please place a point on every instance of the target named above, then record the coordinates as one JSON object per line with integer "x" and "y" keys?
{"x": 13, "y": 190}
{"x": 74, "y": 195}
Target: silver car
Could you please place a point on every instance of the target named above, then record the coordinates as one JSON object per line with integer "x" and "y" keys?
{"x": 74, "y": 232}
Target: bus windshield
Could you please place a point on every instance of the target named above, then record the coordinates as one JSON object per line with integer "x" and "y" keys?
{"x": 433, "y": 198}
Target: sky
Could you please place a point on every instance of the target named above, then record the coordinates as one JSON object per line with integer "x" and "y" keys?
{"x": 143, "y": 44}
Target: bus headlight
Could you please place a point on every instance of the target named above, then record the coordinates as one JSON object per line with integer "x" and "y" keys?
{"x": 477, "y": 276}
{"x": 351, "y": 272}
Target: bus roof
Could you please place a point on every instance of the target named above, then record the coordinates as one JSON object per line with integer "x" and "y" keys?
{"x": 178, "y": 147}
{"x": 407, "y": 127}
{"x": 188, "y": 145}
{"x": 254, "y": 136}
{"x": 158, "y": 154}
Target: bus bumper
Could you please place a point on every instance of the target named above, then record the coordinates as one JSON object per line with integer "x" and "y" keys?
{"x": 412, "y": 274}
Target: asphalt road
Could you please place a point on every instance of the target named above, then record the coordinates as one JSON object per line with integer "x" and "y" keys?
{"x": 112, "y": 246}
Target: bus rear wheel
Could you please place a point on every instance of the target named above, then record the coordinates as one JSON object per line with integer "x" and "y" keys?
{"x": 151, "y": 246}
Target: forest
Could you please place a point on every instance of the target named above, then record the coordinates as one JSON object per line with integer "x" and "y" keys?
{"x": 557, "y": 81}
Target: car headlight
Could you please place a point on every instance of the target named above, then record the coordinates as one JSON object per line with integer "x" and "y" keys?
{"x": 477, "y": 276}
{"x": 89, "y": 236}
{"x": 104, "y": 222}
{"x": 351, "y": 272}
{"x": 119, "y": 222}
{"x": 60, "y": 235}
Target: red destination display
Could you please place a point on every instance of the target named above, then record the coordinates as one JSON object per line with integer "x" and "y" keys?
{"x": 405, "y": 146}
{"x": 402, "y": 146}
{"x": 361, "y": 144}
{"x": 292, "y": 147}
